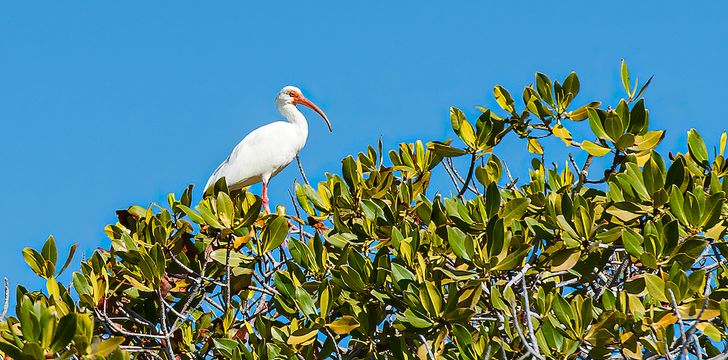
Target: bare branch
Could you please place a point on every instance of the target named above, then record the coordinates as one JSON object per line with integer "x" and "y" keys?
{"x": 5, "y": 302}
{"x": 165, "y": 328}
{"x": 466, "y": 182}
{"x": 527, "y": 304}
{"x": 300, "y": 168}
{"x": 520, "y": 334}
{"x": 683, "y": 338}
{"x": 333, "y": 340}
{"x": 427, "y": 346}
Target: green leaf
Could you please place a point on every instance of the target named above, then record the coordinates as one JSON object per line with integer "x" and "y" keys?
{"x": 644, "y": 87}
{"x": 50, "y": 252}
{"x": 581, "y": 112}
{"x": 462, "y": 127}
{"x": 64, "y": 332}
{"x": 400, "y": 273}
{"x": 225, "y": 209}
{"x": 343, "y": 325}
{"x": 415, "y": 320}
{"x": 196, "y": 218}
{"x": 625, "y": 141}
{"x": 106, "y": 347}
{"x": 209, "y": 217}
{"x": 594, "y": 149}
{"x": 571, "y": 86}
{"x": 565, "y": 259}
{"x": 562, "y": 310}
{"x": 464, "y": 341}
{"x": 656, "y": 287}
{"x": 632, "y": 242}
{"x": 562, "y": 133}
{"x": 324, "y": 301}
{"x": 513, "y": 259}
{"x": 504, "y": 99}
{"x": 534, "y": 147}
{"x": 461, "y": 243}
{"x": 68, "y": 258}
{"x": 638, "y": 123}
{"x": 710, "y": 331}
{"x": 35, "y": 260}
{"x": 649, "y": 140}
{"x": 445, "y": 149}
{"x": 625, "y": 78}
{"x": 302, "y": 337}
{"x": 304, "y": 301}
{"x": 274, "y": 233}
{"x": 677, "y": 203}
{"x": 543, "y": 85}
{"x": 596, "y": 124}
{"x": 697, "y": 148}
{"x": 514, "y": 209}
{"x": 613, "y": 126}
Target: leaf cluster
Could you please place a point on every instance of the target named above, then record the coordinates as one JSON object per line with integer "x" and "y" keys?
{"x": 369, "y": 264}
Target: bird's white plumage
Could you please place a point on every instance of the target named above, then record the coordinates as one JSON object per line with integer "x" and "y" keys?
{"x": 268, "y": 149}
{"x": 262, "y": 154}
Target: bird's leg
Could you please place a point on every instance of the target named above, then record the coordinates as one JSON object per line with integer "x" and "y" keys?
{"x": 265, "y": 197}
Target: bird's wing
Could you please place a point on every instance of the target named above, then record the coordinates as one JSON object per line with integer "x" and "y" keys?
{"x": 260, "y": 152}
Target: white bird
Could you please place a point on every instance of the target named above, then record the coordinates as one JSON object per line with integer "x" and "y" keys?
{"x": 270, "y": 148}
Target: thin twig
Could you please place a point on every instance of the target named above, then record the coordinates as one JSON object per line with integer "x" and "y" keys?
{"x": 585, "y": 169}
{"x": 452, "y": 176}
{"x": 165, "y": 328}
{"x": 468, "y": 177}
{"x": 508, "y": 173}
{"x": 684, "y": 345}
{"x": 520, "y": 334}
{"x": 298, "y": 215}
{"x": 698, "y": 352}
{"x": 114, "y": 328}
{"x": 228, "y": 289}
{"x": 300, "y": 168}
{"x": 615, "y": 276}
{"x": 427, "y": 346}
{"x": 137, "y": 318}
{"x": 527, "y": 304}
{"x": 518, "y": 276}
{"x": 333, "y": 340}
{"x": 573, "y": 164}
{"x": 5, "y": 302}
{"x": 190, "y": 297}
{"x": 213, "y": 303}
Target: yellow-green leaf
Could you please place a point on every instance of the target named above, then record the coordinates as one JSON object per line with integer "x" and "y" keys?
{"x": 503, "y": 98}
{"x": 343, "y": 325}
{"x": 594, "y": 149}
{"x": 656, "y": 287}
{"x": 625, "y": 78}
{"x": 710, "y": 331}
{"x": 563, "y": 134}
{"x": 302, "y": 337}
{"x": 534, "y": 147}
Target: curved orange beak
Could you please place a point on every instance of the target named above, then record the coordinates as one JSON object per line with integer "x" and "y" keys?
{"x": 303, "y": 101}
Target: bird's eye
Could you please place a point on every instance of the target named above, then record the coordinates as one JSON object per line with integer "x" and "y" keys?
{"x": 292, "y": 94}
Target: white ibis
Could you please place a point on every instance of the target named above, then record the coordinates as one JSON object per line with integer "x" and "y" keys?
{"x": 270, "y": 148}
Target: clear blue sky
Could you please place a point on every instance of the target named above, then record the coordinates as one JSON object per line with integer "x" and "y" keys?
{"x": 108, "y": 104}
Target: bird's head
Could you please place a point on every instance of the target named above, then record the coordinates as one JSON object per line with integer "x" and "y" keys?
{"x": 291, "y": 95}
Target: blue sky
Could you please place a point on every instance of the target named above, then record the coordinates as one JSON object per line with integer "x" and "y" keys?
{"x": 104, "y": 105}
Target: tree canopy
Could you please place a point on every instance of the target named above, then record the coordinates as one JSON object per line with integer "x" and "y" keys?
{"x": 629, "y": 262}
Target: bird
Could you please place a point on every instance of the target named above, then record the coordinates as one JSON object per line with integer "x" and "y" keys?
{"x": 267, "y": 150}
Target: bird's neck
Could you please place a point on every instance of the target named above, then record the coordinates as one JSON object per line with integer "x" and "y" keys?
{"x": 294, "y": 116}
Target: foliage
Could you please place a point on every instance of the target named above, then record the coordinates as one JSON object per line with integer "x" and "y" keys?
{"x": 565, "y": 265}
